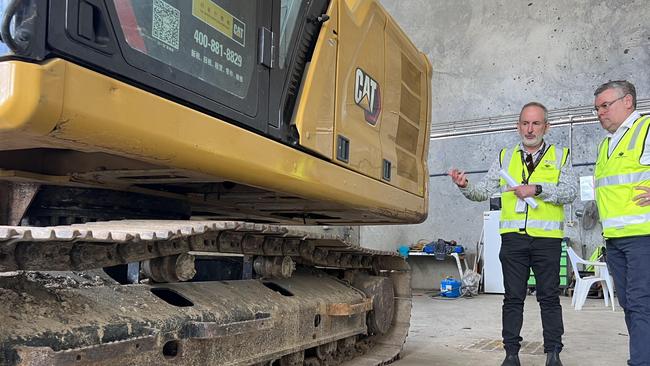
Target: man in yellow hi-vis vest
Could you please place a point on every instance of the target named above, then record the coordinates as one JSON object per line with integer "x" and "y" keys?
{"x": 622, "y": 178}
{"x": 530, "y": 237}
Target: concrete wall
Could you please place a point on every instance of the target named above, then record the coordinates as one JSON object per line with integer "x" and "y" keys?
{"x": 490, "y": 57}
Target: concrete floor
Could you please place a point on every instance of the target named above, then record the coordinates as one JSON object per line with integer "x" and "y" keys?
{"x": 467, "y": 331}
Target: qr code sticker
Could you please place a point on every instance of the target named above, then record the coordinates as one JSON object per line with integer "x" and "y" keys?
{"x": 166, "y": 23}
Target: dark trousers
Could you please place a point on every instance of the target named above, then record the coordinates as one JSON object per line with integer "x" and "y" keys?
{"x": 519, "y": 253}
{"x": 628, "y": 260}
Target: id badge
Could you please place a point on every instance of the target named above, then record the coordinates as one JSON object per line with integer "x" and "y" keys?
{"x": 520, "y": 207}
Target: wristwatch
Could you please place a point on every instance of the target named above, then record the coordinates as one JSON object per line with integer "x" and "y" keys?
{"x": 538, "y": 189}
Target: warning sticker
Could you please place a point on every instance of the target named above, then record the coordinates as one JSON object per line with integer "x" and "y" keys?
{"x": 219, "y": 19}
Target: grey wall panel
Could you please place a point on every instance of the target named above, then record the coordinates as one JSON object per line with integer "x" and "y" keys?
{"x": 491, "y": 56}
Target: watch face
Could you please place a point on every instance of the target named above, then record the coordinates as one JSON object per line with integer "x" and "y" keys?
{"x": 538, "y": 189}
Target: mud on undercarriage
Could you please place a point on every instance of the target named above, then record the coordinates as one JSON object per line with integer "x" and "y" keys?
{"x": 342, "y": 305}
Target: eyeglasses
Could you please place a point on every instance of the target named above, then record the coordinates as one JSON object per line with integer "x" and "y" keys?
{"x": 605, "y": 106}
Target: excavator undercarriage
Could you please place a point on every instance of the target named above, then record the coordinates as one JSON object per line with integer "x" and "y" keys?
{"x": 282, "y": 296}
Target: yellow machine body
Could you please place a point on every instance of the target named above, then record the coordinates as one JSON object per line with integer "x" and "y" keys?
{"x": 66, "y": 125}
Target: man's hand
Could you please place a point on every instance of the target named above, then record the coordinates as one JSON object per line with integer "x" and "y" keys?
{"x": 523, "y": 191}
{"x": 644, "y": 198}
{"x": 458, "y": 177}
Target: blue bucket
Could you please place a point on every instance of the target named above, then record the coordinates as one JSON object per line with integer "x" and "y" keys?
{"x": 450, "y": 287}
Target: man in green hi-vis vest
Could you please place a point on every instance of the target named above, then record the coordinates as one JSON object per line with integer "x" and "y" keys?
{"x": 622, "y": 178}
{"x": 530, "y": 237}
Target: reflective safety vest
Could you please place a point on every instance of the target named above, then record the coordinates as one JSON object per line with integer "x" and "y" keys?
{"x": 545, "y": 221}
{"x": 615, "y": 178}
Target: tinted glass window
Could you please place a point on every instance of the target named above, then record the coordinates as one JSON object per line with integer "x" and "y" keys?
{"x": 210, "y": 40}
{"x": 288, "y": 18}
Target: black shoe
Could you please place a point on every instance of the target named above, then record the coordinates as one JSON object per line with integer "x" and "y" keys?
{"x": 511, "y": 360}
{"x": 553, "y": 359}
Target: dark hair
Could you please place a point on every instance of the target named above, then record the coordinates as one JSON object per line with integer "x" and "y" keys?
{"x": 535, "y": 104}
{"x": 624, "y": 86}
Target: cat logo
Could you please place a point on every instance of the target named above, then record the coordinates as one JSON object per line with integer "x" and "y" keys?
{"x": 367, "y": 96}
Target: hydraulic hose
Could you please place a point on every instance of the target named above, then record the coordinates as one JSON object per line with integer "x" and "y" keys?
{"x": 5, "y": 31}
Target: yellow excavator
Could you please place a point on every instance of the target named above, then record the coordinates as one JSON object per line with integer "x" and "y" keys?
{"x": 151, "y": 154}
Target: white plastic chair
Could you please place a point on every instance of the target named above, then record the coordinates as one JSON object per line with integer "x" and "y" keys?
{"x": 583, "y": 284}
{"x": 603, "y": 272}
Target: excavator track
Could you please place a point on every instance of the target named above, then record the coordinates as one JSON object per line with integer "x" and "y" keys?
{"x": 343, "y": 305}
